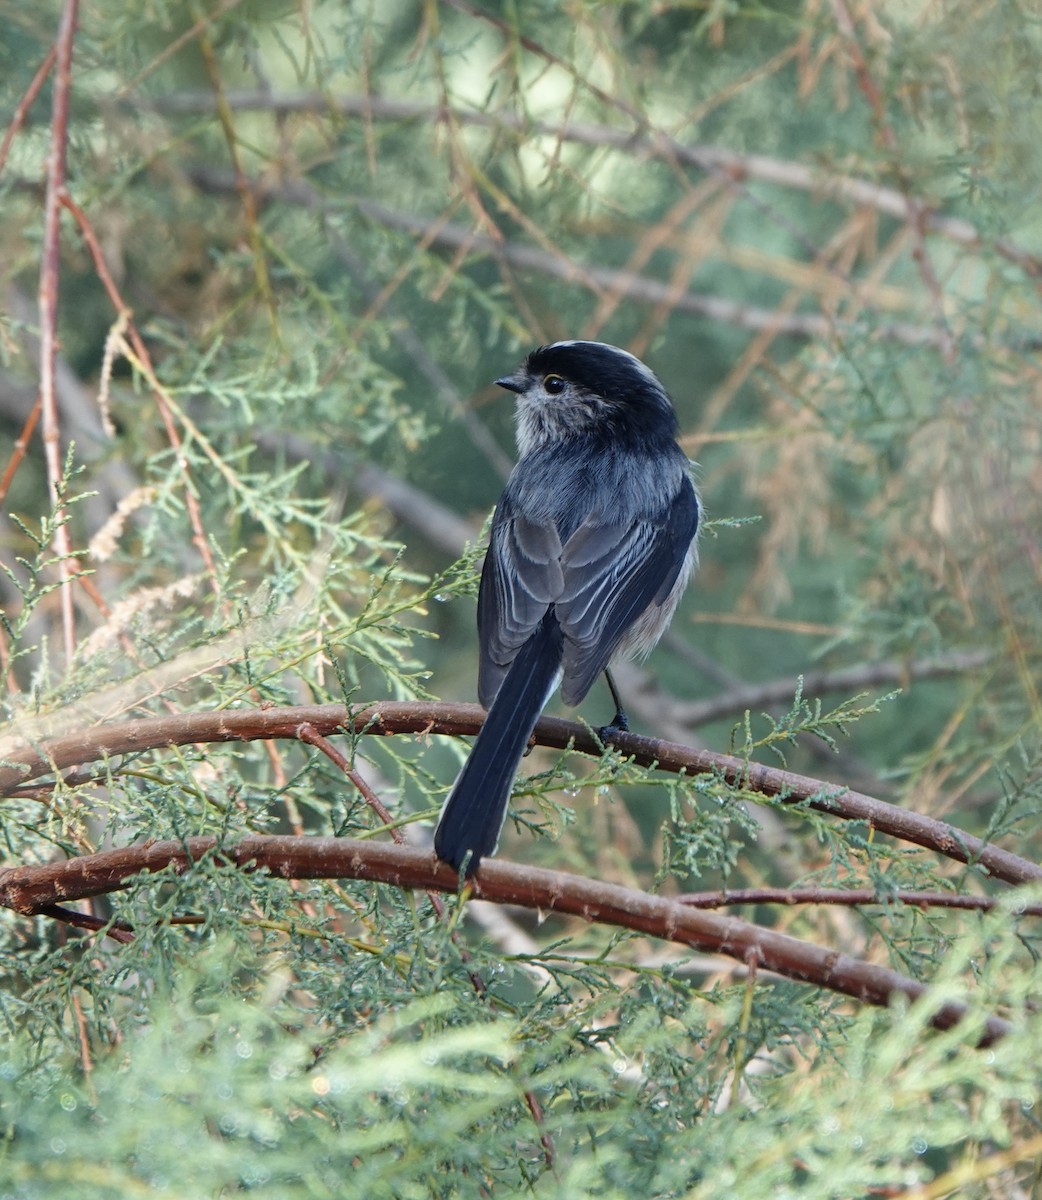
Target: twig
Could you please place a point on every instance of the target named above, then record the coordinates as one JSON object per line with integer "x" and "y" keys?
{"x": 307, "y": 733}
{"x": 26, "y": 754}
{"x": 86, "y": 1062}
{"x": 199, "y": 537}
{"x": 50, "y": 270}
{"x": 26, "y": 889}
{"x": 118, "y": 931}
{"x": 21, "y": 444}
{"x": 849, "y": 897}
{"x": 757, "y": 696}
{"x": 27, "y": 101}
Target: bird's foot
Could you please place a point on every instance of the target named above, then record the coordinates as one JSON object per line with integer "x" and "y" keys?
{"x": 618, "y": 724}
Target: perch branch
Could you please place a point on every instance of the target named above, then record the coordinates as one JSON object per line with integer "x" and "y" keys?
{"x": 30, "y": 753}
{"x": 29, "y": 889}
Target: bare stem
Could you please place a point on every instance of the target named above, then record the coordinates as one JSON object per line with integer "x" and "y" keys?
{"x": 50, "y": 270}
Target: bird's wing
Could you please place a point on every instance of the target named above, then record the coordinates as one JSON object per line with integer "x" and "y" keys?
{"x": 601, "y": 580}
{"x": 612, "y": 573}
{"x": 521, "y": 578}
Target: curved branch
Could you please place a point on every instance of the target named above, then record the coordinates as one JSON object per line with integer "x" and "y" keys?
{"x": 30, "y": 889}
{"x": 21, "y": 763}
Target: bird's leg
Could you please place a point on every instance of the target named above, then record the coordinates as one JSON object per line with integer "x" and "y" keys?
{"x": 620, "y": 722}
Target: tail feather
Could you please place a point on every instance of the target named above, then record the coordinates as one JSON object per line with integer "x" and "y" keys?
{"x": 472, "y": 818}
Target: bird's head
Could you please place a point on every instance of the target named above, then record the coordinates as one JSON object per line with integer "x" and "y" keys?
{"x": 571, "y": 389}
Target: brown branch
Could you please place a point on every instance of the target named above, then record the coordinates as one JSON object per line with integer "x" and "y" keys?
{"x": 28, "y": 889}
{"x": 309, "y": 734}
{"x": 50, "y": 271}
{"x": 21, "y": 444}
{"x": 849, "y": 897}
{"x": 27, "y": 753}
{"x": 199, "y": 537}
{"x": 22, "y": 109}
{"x": 118, "y": 931}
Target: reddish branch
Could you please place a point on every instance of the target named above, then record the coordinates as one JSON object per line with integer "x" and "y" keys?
{"x": 22, "y": 765}
{"x": 199, "y": 537}
{"x": 26, "y": 102}
{"x": 31, "y": 889}
{"x": 21, "y": 444}
{"x": 917, "y": 213}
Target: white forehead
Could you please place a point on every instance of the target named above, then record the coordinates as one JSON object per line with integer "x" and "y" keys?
{"x": 643, "y": 368}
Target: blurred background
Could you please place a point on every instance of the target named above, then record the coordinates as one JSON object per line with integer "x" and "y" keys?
{"x": 294, "y": 245}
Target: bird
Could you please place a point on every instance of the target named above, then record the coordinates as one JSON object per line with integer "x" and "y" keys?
{"x": 591, "y": 546}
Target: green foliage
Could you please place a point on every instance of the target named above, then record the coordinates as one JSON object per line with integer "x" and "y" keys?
{"x": 332, "y": 225}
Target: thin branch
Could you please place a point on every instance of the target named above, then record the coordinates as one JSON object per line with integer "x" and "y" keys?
{"x": 309, "y": 734}
{"x": 27, "y": 889}
{"x": 21, "y": 444}
{"x": 119, "y": 931}
{"x": 50, "y": 271}
{"x": 27, "y": 753}
{"x": 915, "y": 214}
{"x": 27, "y": 101}
{"x": 643, "y": 144}
{"x": 756, "y": 696}
{"x": 199, "y": 537}
{"x": 849, "y": 898}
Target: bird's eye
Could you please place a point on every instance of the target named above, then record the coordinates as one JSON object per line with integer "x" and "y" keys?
{"x": 555, "y": 384}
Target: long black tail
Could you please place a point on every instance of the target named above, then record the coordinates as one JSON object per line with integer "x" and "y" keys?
{"x": 472, "y": 818}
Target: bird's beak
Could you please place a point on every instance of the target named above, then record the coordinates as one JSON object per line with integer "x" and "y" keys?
{"x": 512, "y": 383}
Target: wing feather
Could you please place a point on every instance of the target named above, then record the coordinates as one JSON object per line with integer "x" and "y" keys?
{"x": 604, "y": 577}
{"x": 605, "y": 594}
